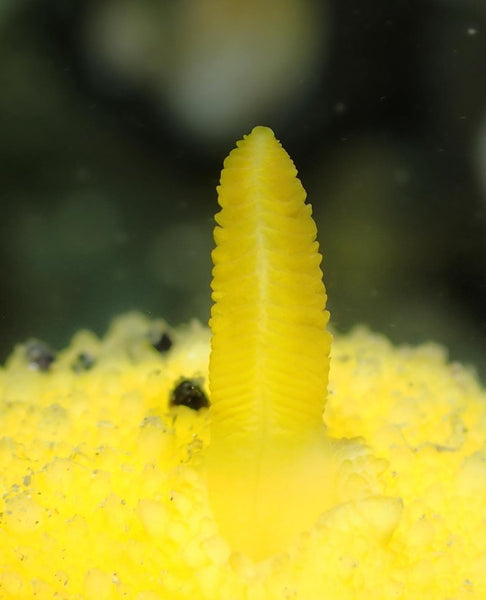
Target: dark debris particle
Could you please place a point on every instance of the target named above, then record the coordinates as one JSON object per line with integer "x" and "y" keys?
{"x": 39, "y": 355}
{"x": 162, "y": 342}
{"x": 83, "y": 362}
{"x": 188, "y": 392}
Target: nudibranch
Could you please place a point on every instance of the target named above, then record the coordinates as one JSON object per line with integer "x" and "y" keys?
{"x": 259, "y": 463}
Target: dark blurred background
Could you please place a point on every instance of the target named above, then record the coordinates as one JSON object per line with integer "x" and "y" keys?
{"x": 115, "y": 117}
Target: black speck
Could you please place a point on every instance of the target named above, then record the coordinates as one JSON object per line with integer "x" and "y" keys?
{"x": 162, "y": 343}
{"x": 83, "y": 362}
{"x": 188, "y": 393}
{"x": 39, "y": 355}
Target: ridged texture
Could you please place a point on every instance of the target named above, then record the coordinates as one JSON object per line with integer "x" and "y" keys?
{"x": 269, "y": 354}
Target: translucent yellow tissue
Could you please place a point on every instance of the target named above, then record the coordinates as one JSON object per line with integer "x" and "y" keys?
{"x": 118, "y": 481}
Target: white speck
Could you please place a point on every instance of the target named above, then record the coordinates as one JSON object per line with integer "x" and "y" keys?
{"x": 472, "y": 31}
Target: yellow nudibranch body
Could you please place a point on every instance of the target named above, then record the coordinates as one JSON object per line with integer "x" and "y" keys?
{"x": 117, "y": 480}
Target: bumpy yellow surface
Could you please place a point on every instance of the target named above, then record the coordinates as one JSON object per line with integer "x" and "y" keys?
{"x": 102, "y": 494}
{"x": 106, "y": 490}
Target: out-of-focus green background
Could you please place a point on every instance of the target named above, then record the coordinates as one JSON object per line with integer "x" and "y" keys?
{"x": 115, "y": 117}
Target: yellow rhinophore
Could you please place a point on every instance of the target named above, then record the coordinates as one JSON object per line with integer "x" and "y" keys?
{"x": 271, "y": 468}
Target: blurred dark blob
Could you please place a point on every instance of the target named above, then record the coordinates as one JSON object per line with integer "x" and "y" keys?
{"x": 188, "y": 392}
